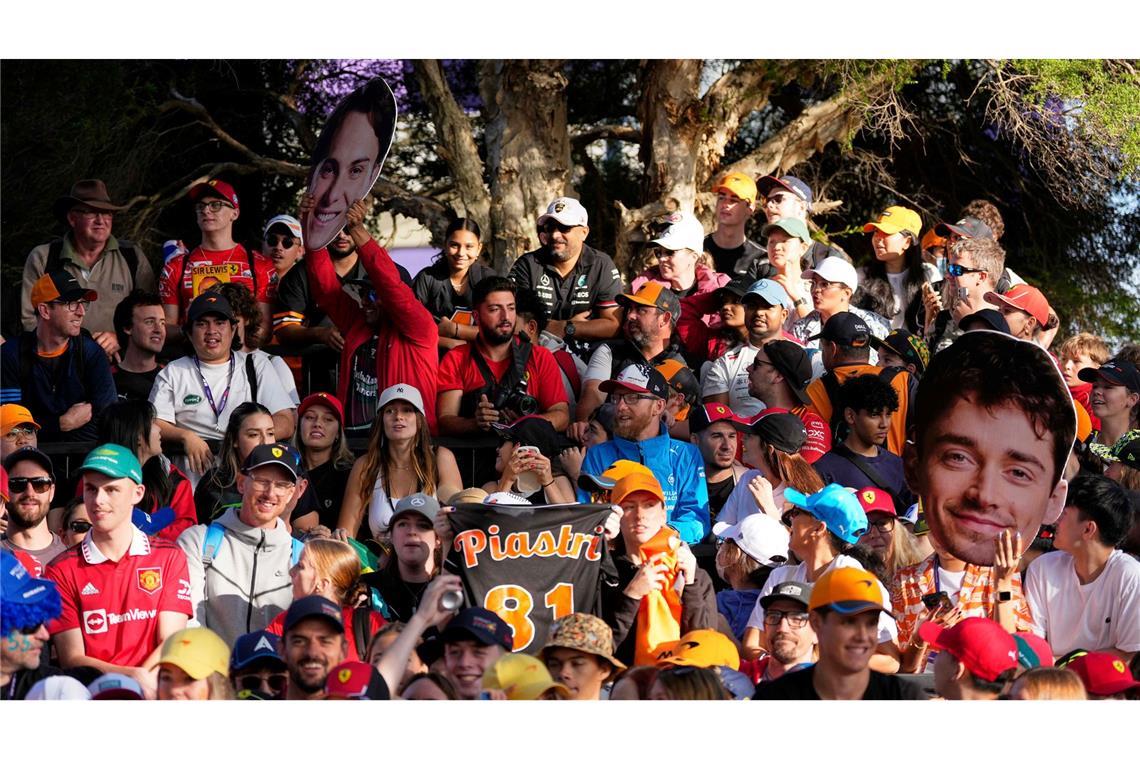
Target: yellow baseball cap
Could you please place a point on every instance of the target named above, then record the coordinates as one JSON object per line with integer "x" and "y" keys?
{"x": 198, "y": 651}
{"x": 12, "y": 415}
{"x": 702, "y": 648}
{"x": 896, "y": 219}
{"x": 739, "y": 184}
{"x": 522, "y": 677}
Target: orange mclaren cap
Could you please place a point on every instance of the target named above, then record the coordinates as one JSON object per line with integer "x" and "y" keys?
{"x": 848, "y": 591}
{"x": 633, "y": 483}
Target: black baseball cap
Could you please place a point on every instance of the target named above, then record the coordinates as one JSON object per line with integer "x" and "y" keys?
{"x": 209, "y": 303}
{"x": 737, "y": 286}
{"x": 314, "y": 606}
{"x": 967, "y": 227}
{"x": 987, "y": 319}
{"x": 1115, "y": 372}
{"x": 847, "y": 329}
{"x": 258, "y": 646}
{"x": 778, "y": 427}
{"x": 29, "y": 452}
{"x": 792, "y": 362}
{"x": 480, "y": 624}
{"x": 534, "y": 430}
{"x": 791, "y": 590}
{"x": 275, "y": 453}
{"x": 905, "y": 344}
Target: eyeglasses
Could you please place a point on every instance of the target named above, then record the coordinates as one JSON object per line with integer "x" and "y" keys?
{"x": 253, "y": 682}
{"x": 279, "y": 486}
{"x": 214, "y": 206}
{"x": 285, "y": 241}
{"x": 883, "y": 526}
{"x": 551, "y": 226}
{"x": 79, "y": 526}
{"x": 91, "y": 213}
{"x": 39, "y": 485}
{"x": 822, "y": 285}
{"x": 20, "y": 431}
{"x": 957, "y": 270}
{"x": 629, "y": 399}
{"x": 772, "y": 619}
{"x": 757, "y": 364}
{"x": 71, "y": 305}
{"x": 790, "y": 515}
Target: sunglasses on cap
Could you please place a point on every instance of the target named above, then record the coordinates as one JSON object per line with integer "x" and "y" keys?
{"x": 276, "y": 682}
{"x": 79, "y": 526}
{"x": 957, "y": 270}
{"x": 285, "y": 241}
{"x": 39, "y": 484}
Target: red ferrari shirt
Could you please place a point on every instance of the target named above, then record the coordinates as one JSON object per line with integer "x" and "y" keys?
{"x": 457, "y": 371}
{"x": 818, "y": 440}
{"x": 116, "y": 604}
{"x": 205, "y": 269}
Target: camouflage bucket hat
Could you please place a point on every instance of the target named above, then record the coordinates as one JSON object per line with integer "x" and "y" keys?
{"x": 586, "y": 633}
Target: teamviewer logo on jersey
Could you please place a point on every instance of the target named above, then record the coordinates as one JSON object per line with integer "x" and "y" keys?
{"x": 95, "y": 621}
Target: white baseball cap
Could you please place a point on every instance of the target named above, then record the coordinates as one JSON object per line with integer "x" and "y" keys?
{"x": 506, "y": 497}
{"x": 684, "y": 231}
{"x": 58, "y": 687}
{"x": 759, "y": 536}
{"x": 566, "y": 211}
{"x": 289, "y": 222}
{"x": 404, "y": 392}
{"x": 834, "y": 269}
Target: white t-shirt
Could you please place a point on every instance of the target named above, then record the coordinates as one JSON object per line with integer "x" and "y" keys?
{"x": 380, "y": 508}
{"x": 951, "y": 583}
{"x": 601, "y": 364}
{"x": 741, "y": 503}
{"x": 180, "y": 398}
{"x": 888, "y": 631}
{"x": 729, "y": 374}
{"x": 1104, "y": 614}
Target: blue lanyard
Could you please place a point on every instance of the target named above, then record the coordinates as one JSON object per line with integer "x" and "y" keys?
{"x": 217, "y": 408}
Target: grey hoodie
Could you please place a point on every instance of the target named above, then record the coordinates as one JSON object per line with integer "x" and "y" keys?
{"x": 247, "y": 584}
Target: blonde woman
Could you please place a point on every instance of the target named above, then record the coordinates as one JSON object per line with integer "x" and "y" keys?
{"x": 194, "y": 665}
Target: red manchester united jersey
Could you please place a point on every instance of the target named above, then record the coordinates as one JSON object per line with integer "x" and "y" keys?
{"x": 115, "y": 605}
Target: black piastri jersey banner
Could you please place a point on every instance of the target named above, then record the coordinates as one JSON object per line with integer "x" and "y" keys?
{"x": 530, "y": 565}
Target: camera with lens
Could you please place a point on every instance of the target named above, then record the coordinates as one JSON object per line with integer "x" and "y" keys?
{"x": 515, "y": 400}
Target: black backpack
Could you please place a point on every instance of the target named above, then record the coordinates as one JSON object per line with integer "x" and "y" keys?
{"x": 831, "y": 384}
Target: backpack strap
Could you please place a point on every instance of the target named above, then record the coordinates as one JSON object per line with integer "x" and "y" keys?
{"x": 872, "y": 474}
{"x": 252, "y": 271}
{"x": 131, "y": 256}
{"x": 831, "y": 385}
{"x": 295, "y": 557}
{"x": 251, "y": 376}
{"x": 212, "y": 542}
{"x": 570, "y": 369}
{"x": 54, "y": 258}
{"x": 362, "y": 630}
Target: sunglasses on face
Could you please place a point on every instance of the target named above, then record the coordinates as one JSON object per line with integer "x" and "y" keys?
{"x": 29, "y": 630}
{"x": 957, "y": 270}
{"x": 285, "y": 241}
{"x": 79, "y": 526}
{"x": 550, "y": 227}
{"x": 791, "y": 515}
{"x": 39, "y": 485}
{"x": 254, "y": 682}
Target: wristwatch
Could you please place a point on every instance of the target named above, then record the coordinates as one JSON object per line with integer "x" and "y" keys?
{"x": 570, "y": 329}
{"x": 799, "y": 302}
{"x": 1005, "y": 596}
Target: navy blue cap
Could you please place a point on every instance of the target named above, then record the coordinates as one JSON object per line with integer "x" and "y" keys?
{"x": 253, "y": 647}
{"x": 314, "y": 606}
{"x": 987, "y": 319}
{"x": 480, "y": 624}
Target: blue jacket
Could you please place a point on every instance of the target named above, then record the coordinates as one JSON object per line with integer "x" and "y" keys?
{"x": 679, "y": 469}
{"x": 48, "y": 402}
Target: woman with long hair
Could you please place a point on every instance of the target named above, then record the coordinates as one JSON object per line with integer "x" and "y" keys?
{"x": 445, "y": 286}
{"x": 891, "y": 283}
{"x": 772, "y": 441}
{"x": 331, "y": 569}
{"x": 194, "y": 665}
{"x": 324, "y": 451}
{"x": 133, "y": 425}
{"x": 400, "y": 461}
{"x": 527, "y": 458}
{"x": 885, "y": 537}
{"x": 250, "y": 426}
{"x": 416, "y": 556}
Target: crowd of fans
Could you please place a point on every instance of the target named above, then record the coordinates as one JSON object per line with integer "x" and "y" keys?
{"x": 194, "y": 511}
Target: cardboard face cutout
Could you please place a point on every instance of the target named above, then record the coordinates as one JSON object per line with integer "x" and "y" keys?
{"x": 992, "y": 428}
{"x": 348, "y": 158}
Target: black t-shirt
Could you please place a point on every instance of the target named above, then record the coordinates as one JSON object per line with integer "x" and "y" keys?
{"x": 326, "y": 487}
{"x": 363, "y": 387}
{"x": 294, "y": 295}
{"x": 134, "y": 386}
{"x": 798, "y": 685}
{"x": 434, "y": 290}
{"x": 403, "y": 597}
{"x": 718, "y": 495}
{"x": 735, "y": 261}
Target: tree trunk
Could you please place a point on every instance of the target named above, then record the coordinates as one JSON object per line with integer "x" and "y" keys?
{"x": 528, "y": 149}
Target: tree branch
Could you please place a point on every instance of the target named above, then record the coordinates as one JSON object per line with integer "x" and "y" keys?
{"x": 622, "y": 132}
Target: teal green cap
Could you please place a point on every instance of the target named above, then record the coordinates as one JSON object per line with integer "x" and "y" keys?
{"x": 794, "y": 227}
{"x": 113, "y": 461}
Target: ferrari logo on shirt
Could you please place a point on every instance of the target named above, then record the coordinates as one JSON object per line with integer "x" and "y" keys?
{"x": 149, "y": 579}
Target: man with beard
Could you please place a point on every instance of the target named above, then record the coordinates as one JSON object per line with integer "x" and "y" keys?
{"x": 299, "y": 321}
{"x": 312, "y": 644}
{"x": 577, "y": 283}
{"x": 639, "y": 396}
{"x": 140, "y": 325}
{"x": 791, "y": 640}
{"x": 766, "y": 307}
{"x": 498, "y": 377}
{"x": 712, "y": 431}
{"x": 31, "y": 485}
{"x": 650, "y": 320}
{"x": 778, "y": 377}
{"x": 57, "y": 370}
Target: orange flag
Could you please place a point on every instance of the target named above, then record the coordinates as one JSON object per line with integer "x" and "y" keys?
{"x": 659, "y": 616}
